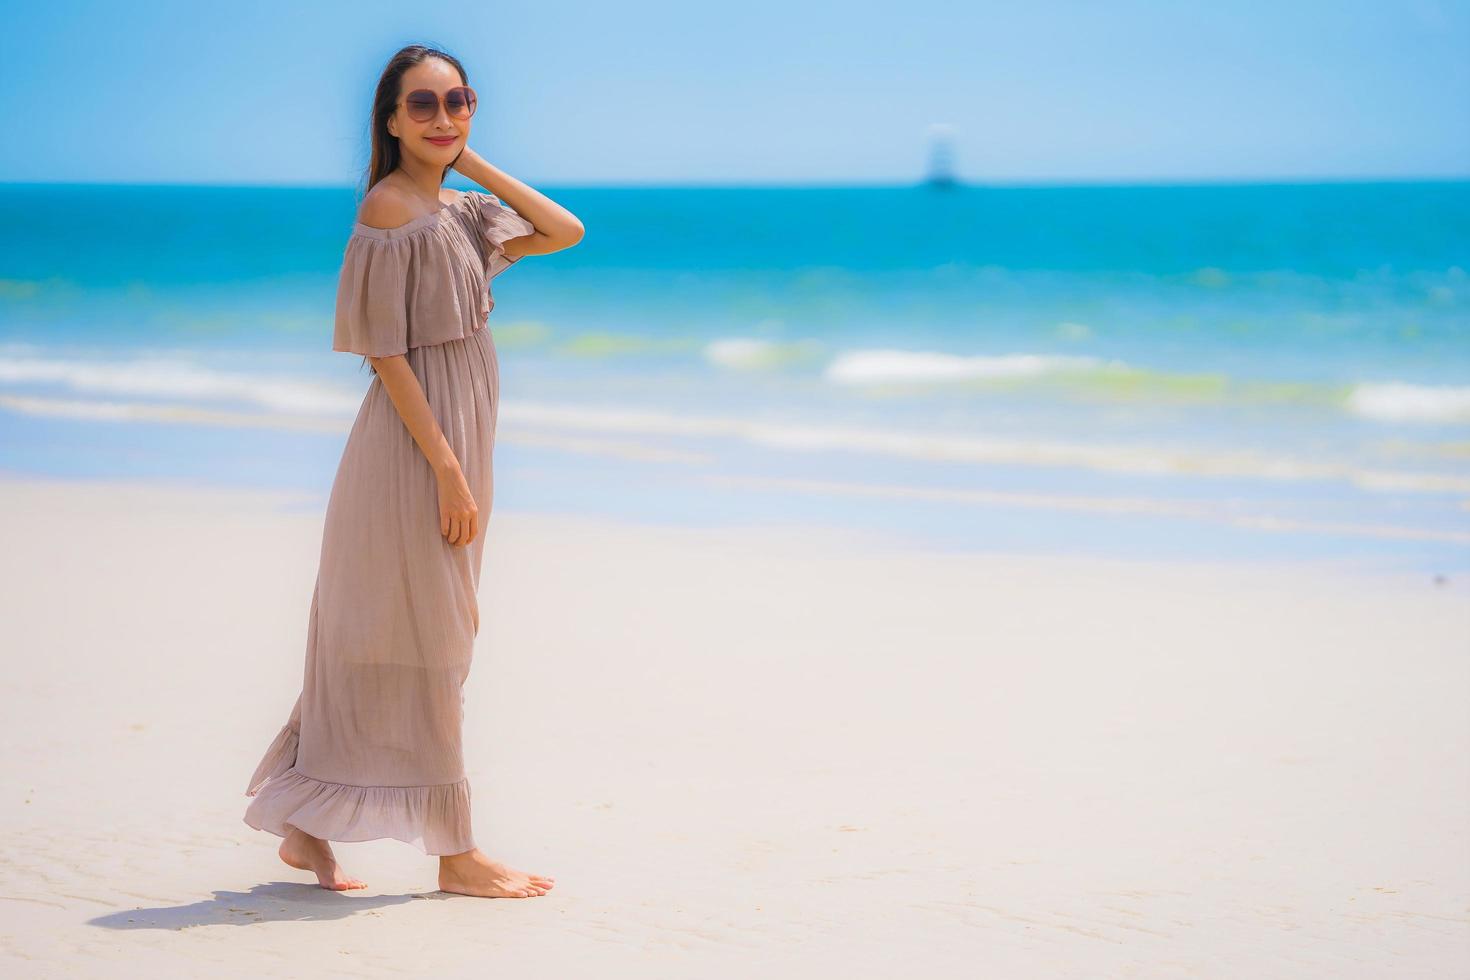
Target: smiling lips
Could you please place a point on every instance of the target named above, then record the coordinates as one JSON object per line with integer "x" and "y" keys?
{"x": 441, "y": 140}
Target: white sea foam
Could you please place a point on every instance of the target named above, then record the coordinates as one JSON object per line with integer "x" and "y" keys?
{"x": 105, "y": 411}
{"x": 750, "y": 353}
{"x": 180, "y": 378}
{"x": 891, "y": 366}
{"x": 524, "y": 419}
{"x": 1398, "y": 402}
{"x": 1115, "y": 458}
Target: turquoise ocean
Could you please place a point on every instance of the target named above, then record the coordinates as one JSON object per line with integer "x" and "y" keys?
{"x": 1211, "y": 372}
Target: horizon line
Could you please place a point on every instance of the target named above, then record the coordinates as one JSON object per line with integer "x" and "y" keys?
{"x": 958, "y": 183}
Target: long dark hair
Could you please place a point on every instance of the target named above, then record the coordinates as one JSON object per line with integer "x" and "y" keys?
{"x": 385, "y": 153}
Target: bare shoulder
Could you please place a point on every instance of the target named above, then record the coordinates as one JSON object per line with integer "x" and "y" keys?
{"x": 386, "y": 206}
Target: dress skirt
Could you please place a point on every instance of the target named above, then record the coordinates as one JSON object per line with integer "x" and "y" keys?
{"x": 373, "y": 746}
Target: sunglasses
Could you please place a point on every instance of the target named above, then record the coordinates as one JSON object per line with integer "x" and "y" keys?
{"x": 423, "y": 103}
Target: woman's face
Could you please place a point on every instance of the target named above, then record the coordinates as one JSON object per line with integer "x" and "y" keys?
{"x": 439, "y": 140}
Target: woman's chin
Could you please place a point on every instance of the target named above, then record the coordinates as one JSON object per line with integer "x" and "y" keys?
{"x": 441, "y": 155}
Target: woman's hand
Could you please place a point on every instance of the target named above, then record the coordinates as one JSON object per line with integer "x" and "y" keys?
{"x": 459, "y": 517}
{"x": 462, "y": 158}
{"x": 555, "y": 227}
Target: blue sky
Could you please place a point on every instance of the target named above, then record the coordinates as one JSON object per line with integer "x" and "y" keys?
{"x": 751, "y": 93}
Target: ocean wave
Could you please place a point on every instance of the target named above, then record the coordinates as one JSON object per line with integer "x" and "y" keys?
{"x": 1116, "y": 380}
{"x": 526, "y": 418}
{"x": 180, "y": 378}
{"x": 1063, "y": 376}
{"x": 1397, "y": 402}
{"x": 756, "y": 353}
{"x": 927, "y": 446}
{"x": 103, "y": 411}
{"x": 892, "y": 366}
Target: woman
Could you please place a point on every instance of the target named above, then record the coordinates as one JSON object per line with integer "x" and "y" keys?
{"x": 372, "y": 748}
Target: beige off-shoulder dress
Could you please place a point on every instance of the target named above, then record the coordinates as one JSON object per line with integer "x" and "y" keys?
{"x": 372, "y": 748}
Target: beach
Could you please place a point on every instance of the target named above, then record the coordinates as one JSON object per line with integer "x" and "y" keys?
{"x": 754, "y": 750}
{"x": 982, "y": 499}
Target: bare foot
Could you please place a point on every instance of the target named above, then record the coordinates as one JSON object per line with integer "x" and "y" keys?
{"x": 301, "y": 850}
{"x": 472, "y": 873}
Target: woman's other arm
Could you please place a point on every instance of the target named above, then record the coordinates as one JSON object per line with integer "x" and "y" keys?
{"x": 556, "y": 227}
{"x": 459, "y": 517}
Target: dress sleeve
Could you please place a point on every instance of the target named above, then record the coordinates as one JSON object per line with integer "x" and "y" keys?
{"x": 498, "y": 223}
{"x": 372, "y": 297}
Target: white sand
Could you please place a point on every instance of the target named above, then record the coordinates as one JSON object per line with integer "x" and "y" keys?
{"x": 742, "y": 754}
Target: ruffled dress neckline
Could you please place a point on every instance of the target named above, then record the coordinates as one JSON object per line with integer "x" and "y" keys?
{"x": 426, "y": 281}
{"x": 412, "y": 225}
